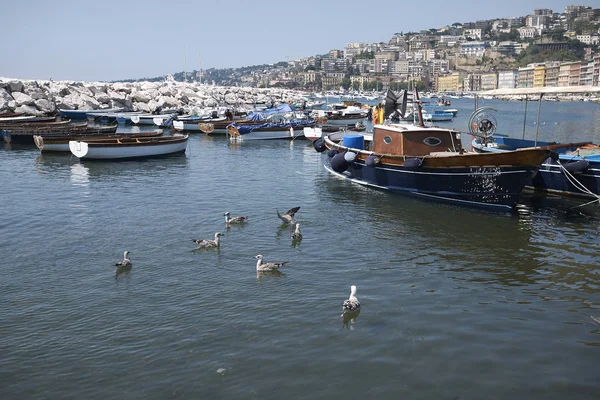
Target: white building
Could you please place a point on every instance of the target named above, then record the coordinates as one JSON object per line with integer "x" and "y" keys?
{"x": 474, "y": 34}
{"x": 527, "y": 32}
{"x": 508, "y": 79}
{"x": 473, "y": 48}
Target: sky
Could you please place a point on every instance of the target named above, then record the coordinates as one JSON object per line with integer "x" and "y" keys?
{"x": 110, "y": 40}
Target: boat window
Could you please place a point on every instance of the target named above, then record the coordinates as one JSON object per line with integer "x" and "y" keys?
{"x": 432, "y": 141}
{"x": 387, "y": 139}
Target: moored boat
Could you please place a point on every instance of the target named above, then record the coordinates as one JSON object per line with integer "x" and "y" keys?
{"x": 266, "y": 131}
{"x": 129, "y": 148}
{"x": 576, "y": 171}
{"x": 430, "y": 162}
{"x": 60, "y": 143}
{"x": 24, "y": 134}
{"x": 415, "y": 160}
{"x": 83, "y": 114}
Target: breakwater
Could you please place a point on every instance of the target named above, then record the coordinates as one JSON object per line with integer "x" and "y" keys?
{"x": 43, "y": 97}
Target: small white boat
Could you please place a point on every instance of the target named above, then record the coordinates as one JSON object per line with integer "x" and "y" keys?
{"x": 128, "y": 148}
{"x": 193, "y": 123}
{"x": 161, "y": 120}
{"x": 266, "y": 132}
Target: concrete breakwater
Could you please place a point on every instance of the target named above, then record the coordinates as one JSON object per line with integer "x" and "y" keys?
{"x": 42, "y": 97}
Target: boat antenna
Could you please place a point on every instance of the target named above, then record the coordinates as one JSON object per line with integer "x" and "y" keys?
{"x": 421, "y": 123}
{"x": 537, "y": 125}
{"x": 525, "y": 116}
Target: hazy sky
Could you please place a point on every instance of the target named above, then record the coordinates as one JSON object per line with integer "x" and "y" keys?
{"x": 110, "y": 40}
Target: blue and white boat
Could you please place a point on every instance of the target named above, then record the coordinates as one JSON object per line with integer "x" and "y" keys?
{"x": 160, "y": 120}
{"x": 576, "y": 172}
{"x": 83, "y": 114}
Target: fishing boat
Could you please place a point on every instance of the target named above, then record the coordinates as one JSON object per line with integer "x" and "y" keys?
{"x": 429, "y": 162}
{"x": 129, "y": 148}
{"x": 576, "y": 172}
{"x": 60, "y": 143}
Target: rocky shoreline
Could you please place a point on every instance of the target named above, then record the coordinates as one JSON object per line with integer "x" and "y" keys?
{"x": 41, "y": 97}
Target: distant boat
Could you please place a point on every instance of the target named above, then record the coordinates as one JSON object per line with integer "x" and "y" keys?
{"x": 83, "y": 114}
{"x": 266, "y": 131}
{"x": 161, "y": 120}
{"x": 129, "y": 148}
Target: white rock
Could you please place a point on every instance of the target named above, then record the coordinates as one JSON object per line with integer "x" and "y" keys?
{"x": 7, "y": 103}
{"x": 28, "y": 110}
{"x": 22, "y": 99}
{"x": 102, "y": 98}
{"x": 144, "y": 107}
{"x": 45, "y": 106}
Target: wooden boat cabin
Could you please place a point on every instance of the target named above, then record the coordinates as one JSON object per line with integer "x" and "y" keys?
{"x": 414, "y": 141}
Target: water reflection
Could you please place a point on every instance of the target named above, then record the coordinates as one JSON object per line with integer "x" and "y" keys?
{"x": 80, "y": 175}
{"x": 266, "y": 274}
{"x": 547, "y": 242}
{"x": 349, "y": 319}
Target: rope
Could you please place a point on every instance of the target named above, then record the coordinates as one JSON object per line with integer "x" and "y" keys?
{"x": 578, "y": 185}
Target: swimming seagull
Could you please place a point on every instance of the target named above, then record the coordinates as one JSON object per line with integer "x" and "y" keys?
{"x": 234, "y": 220}
{"x": 288, "y": 216}
{"x": 265, "y": 267}
{"x": 207, "y": 243}
{"x": 351, "y": 304}
{"x": 297, "y": 234}
{"x": 126, "y": 261}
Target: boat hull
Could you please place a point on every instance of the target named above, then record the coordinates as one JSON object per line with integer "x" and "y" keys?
{"x": 489, "y": 187}
{"x": 83, "y": 114}
{"x": 129, "y": 148}
{"x": 551, "y": 177}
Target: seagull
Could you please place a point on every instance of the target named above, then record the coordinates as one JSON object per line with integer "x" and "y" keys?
{"x": 207, "y": 243}
{"x": 265, "y": 267}
{"x": 126, "y": 261}
{"x": 351, "y": 304}
{"x": 297, "y": 234}
{"x": 288, "y": 216}
{"x": 234, "y": 220}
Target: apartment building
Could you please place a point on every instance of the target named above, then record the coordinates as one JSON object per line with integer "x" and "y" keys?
{"x": 525, "y": 79}
{"x": 508, "y": 79}
{"x": 489, "y": 81}
{"x": 539, "y": 76}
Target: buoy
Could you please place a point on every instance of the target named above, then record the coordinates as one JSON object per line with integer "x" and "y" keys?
{"x": 412, "y": 163}
{"x": 577, "y": 166}
{"x": 332, "y": 153}
{"x": 339, "y": 163}
{"x": 319, "y": 145}
{"x": 349, "y": 156}
{"x": 373, "y": 161}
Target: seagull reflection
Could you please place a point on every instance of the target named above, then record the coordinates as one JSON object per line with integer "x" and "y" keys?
{"x": 122, "y": 273}
{"x": 350, "y": 317}
{"x": 263, "y": 274}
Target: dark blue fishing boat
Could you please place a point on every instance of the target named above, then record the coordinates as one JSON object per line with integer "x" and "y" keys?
{"x": 430, "y": 162}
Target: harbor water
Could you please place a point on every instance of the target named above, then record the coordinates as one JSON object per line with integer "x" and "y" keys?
{"x": 457, "y": 303}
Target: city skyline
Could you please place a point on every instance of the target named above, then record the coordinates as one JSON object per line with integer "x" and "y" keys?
{"x": 68, "y": 40}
